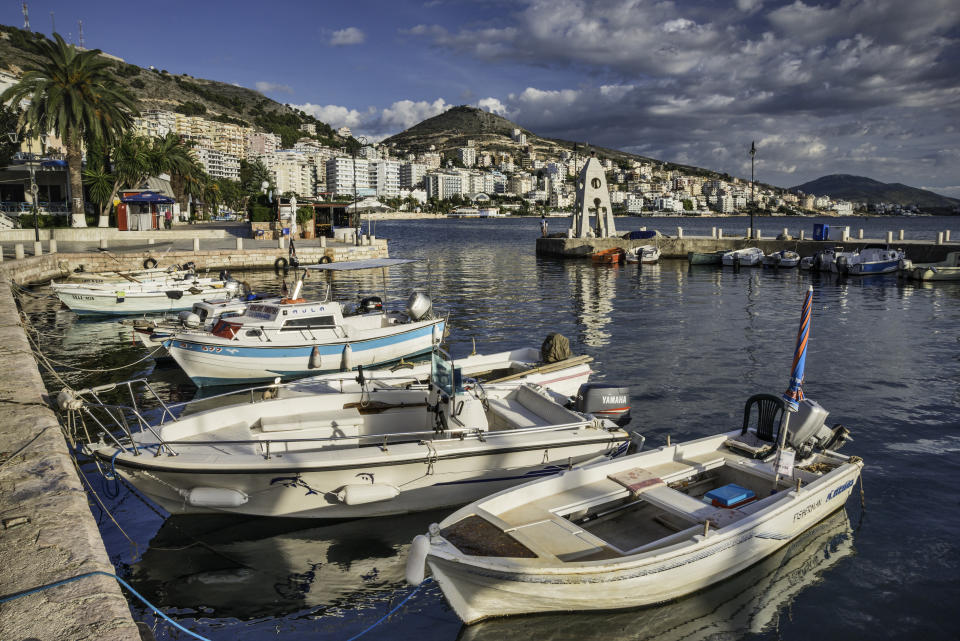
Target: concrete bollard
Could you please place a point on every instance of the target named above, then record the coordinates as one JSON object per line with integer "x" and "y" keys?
{"x": 860, "y": 234}
{"x": 103, "y": 243}
{"x": 37, "y": 248}
{"x": 151, "y": 241}
{"x": 323, "y": 241}
{"x": 889, "y": 237}
{"x": 901, "y": 234}
{"x": 1, "y": 253}
{"x": 679, "y": 232}
{"x": 719, "y": 233}
{"x": 239, "y": 244}
{"x": 280, "y": 243}
{"x": 939, "y": 237}
{"x": 713, "y": 232}
{"x": 946, "y": 236}
{"x": 846, "y": 234}
{"x": 196, "y": 244}
{"x": 18, "y": 251}
{"x": 758, "y": 233}
{"x": 802, "y": 234}
{"x": 747, "y": 233}
{"x": 53, "y": 245}
{"x": 786, "y": 233}
{"x": 371, "y": 239}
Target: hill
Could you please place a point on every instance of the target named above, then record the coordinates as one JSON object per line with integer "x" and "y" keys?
{"x": 160, "y": 89}
{"x": 860, "y": 188}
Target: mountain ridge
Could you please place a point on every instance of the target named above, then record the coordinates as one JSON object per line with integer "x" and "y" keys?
{"x": 864, "y": 189}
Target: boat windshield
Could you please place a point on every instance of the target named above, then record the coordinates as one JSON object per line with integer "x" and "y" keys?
{"x": 444, "y": 375}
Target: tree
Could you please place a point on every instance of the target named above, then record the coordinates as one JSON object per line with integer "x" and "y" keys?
{"x": 75, "y": 95}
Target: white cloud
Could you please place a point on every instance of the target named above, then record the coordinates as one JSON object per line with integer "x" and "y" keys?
{"x": 334, "y": 115}
{"x": 347, "y": 36}
{"x": 406, "y": 113}
{"x": 273, "y": 87}
{"x": 493, "y": 105}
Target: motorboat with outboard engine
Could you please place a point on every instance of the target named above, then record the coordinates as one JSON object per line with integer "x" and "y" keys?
{"x": 947, "y": 269}
{"x": 872, "y": 261}
{"x": 381, "y": 450}
{"x": 293, "y": 337}
{"x": 644, "y": 529}
{"x": 149, "y": 297}
{"x": 646, "y": 254}
{"x": 782, "y": 258}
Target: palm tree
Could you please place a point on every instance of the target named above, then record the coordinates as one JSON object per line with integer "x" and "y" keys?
{"x": 73, "y": 94}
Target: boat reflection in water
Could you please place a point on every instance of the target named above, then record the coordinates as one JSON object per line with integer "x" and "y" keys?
{"x": 748, "y": 603}
{"x": 246, "y": 568}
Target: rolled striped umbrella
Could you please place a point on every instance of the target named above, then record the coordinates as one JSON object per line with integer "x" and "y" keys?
{"x": 794, "y": 393}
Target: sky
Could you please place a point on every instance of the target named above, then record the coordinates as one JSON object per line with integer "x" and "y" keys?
{"x": 864, "y": 87}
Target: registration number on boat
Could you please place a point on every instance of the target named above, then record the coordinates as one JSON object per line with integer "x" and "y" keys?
{"x": 806, "y": 510}
{"x": 79, "y": 297}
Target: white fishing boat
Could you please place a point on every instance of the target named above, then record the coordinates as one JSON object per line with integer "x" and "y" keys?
{"x": 947, "y": 269}
{"x": 634, "y": 531}
{"x": 842, "y": 260}
{"x": 806, "y": 263}
{"x": 133, "y": 275}
{"x": 783, "y": 258}
{"x": 823, "y": 260}
{"x": 383, "y": 450}
{"x": 152, "y": 297}
{"x": 746, "y": 257}
{"x": 650, "y": 527}
{"x": 872, "y": 261}
{"x": 646, "y": 254}
{"x": 153, "y": 333}
{"x": 293, "y": 337}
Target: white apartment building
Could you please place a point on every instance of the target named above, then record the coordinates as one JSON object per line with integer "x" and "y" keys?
{"x": 344, "y": 132}
{"x": 467, "y": 155}
{"x": 431, "y": 160}
{"x": 259, "y": 143}
{"x": 519, "y": 183}
{"x": 442, "y": 184}
{"x": 385, "y": 177}
{"x": 634, "y": 204}
{"x": 218, "y": 164}
{"x": 411, "y": 174}
{"x": 341, "y": 179}
{"x": 843, "y": 208}
{"x": 725, "y": 202}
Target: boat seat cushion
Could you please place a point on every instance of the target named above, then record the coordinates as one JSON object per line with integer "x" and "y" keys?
{"x": 344, "y": 418}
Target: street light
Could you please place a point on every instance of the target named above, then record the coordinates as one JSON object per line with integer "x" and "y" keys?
{"x": 32, "y": 167}
{"x": 753, "y": 204}
{"x": 356, "y": 216}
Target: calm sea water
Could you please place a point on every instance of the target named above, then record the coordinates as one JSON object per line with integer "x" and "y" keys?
{"x": 692, "y": 344}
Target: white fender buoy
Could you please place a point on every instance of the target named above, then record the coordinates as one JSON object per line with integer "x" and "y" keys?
{"x": 314, "y": 358}
{"x": 417, "y": 560}
{"x": 346, "y": 360}
{"x": 214, "y": 497}
{"x": 436, "y": 334}
{"x": 367, "y": 493}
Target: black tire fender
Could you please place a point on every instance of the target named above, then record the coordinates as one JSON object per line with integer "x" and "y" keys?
{"x": 280, "y": 263}
{"x": 149, "y": 263}
{"x": 324, "y": 259}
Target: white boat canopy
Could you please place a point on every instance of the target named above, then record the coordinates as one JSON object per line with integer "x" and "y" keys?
{"x": 371, "y": 263}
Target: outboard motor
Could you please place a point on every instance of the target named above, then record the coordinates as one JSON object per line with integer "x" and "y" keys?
{"x": 371, "y": 304}
{"x": 189, "y": 319}
{"x": 843, "y": 265}
{"x": 604, "y": 400}
{"x": 809, "y": 430}
{"x": 419, "y": 306}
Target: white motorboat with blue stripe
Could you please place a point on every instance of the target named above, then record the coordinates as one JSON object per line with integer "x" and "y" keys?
{"x": 292, "y": 337}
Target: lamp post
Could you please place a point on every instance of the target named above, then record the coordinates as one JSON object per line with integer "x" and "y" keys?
{"x": 356, "y": 215}
{"x": 31, "y": 164}
{"x": 753, "y": 152}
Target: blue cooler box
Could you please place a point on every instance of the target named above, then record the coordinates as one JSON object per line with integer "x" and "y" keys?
{"x": 821, "y": 231}
{"x": 729, "y": 495}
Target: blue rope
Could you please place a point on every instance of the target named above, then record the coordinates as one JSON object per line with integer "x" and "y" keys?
{"x": 122, "y": 582}
{"x": 388, "y": 614}
{"x": 113, "y": 464}
{"x": 174, "y": 623}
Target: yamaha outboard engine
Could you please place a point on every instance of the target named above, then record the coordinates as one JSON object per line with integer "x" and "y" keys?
{"x": 809, "y": 430}
{"x": 419, "y": 306}
{"x": 604, "y": 400}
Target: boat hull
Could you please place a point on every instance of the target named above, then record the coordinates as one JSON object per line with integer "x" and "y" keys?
{"x": 230, "y": 362}
{"x": 479, "y": 588}
{"x": 288, "y": 485}
{"x": 95, "y": 303}
{"x": 698, "y": 258}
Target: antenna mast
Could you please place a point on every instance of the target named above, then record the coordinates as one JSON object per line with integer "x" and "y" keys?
{"x": 26, "y": 18}
{"x": 80, "y": 28}
{"x": 53, "y": 23}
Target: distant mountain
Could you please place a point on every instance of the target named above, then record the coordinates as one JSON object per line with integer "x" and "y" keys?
{"x": 861, "y": 189}
{"x": 159, "y": 89}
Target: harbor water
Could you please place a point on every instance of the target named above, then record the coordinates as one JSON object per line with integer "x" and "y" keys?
{"x": 692, "y": 343}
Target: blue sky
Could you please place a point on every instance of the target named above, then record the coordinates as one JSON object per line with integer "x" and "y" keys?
{"x": 867, "y": 87}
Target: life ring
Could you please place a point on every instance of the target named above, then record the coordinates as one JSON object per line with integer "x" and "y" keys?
{"x": 189, "y": 265}
{"x": 324, "y": 259}
{"x": 280, "y": 263}
{"x": 149, "y": 263}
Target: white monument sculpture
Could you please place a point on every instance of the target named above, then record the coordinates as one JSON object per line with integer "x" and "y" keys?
{"x": 592, "y": 198}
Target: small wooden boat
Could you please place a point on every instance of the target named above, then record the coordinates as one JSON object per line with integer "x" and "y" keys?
{"x": 746, "y": 257}
{"x": 647, "y": 254}
{"x": 782, "y": 258}
{"x": 706, "y": 258}
{"x": 641, "y": 529}
{"x": 613, "y": 256}
{"x": 947, "y": 269}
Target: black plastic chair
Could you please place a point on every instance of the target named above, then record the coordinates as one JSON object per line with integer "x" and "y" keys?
{"x": 770, "y": 409}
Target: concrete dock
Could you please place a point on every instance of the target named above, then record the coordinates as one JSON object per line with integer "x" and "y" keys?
{"x": 677, "y": 246}
{"x": 47, "y": 530}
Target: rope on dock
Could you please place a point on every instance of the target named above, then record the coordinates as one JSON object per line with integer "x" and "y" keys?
{"x": 156, "y": 611}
